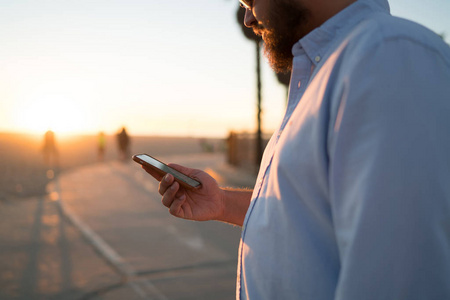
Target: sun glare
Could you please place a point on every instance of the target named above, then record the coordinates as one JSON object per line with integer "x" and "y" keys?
{"x": 60, "y": 115}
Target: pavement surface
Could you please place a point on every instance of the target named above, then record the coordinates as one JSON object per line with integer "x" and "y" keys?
{"x": 102, "y": 233}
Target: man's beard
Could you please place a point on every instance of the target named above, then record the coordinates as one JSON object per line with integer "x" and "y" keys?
{"x": 279, "y": 33}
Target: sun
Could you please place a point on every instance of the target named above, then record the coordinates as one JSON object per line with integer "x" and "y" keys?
{"x": 63, "y": 116}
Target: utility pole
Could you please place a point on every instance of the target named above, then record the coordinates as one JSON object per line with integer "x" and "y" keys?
{"x": 248, "y": 33}
{"x": 259, "y": 139}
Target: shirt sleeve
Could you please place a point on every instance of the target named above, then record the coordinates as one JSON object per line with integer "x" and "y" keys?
{"x": 390, "y": 174}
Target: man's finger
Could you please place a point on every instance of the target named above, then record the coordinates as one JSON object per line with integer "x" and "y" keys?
{"x": 165, "y": 183}
{"x": 175, "y": 208}
{"x": 170, "y": 194}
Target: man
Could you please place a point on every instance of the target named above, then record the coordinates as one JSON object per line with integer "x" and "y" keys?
{"x": 352, "y": 199}
{"x": 50, "y": 150}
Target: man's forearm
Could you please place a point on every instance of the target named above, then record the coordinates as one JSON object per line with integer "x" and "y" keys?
{"x": 236, "y": 203}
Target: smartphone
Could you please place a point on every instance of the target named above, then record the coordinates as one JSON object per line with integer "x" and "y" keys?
{"x": 163, "y": 169}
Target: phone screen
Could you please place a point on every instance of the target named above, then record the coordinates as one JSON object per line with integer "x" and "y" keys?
{"x": 153, "y": 162}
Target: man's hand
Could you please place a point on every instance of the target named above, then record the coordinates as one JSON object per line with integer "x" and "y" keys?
{"x": 200, "y": 204}
{"x": 208, "y": 202}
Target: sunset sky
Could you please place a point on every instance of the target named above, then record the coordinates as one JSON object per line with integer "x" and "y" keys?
{"x": 155, "y": 66}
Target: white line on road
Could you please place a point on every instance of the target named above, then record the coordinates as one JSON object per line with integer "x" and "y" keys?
{"x": 143, "y": 287}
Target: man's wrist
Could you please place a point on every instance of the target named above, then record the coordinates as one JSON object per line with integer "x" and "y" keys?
{"x": 235, "y": 204}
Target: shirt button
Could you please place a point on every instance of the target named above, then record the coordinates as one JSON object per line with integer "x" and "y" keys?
{"x": 279, "y": 133}
{"x": 299, "y": 84}
{"x": 317, "y": 58}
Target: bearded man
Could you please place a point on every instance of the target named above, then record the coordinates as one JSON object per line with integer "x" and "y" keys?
{"x": 352, "y": 199}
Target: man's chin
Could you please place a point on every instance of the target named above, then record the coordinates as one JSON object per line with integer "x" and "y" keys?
{"x": 279, "y": 66}
{"x": 279, "y": 60}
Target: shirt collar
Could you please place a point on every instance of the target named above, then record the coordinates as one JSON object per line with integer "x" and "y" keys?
{"x": 318, "y": 41}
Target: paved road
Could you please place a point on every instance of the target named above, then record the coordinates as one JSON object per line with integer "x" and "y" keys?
{"x": 102, "y": 233}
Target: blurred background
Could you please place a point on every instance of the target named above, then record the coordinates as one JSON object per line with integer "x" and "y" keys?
{"x": 179, "y": 76}
{"x": 158, "y": 68}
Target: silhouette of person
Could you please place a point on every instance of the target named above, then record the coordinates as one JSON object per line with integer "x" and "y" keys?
{"x": 101, "y": 142}
{"x": 123, "y": 141}
{"x": 50, "y": 150}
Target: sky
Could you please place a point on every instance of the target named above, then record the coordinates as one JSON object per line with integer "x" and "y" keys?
{"x": 157, "y": 67}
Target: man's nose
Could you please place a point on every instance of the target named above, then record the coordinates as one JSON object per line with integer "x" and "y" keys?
{"x": 249, "y": 18}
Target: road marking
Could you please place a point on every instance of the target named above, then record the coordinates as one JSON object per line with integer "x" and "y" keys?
{"x": 195, "y": 242}
{"x": 143, "y": 287}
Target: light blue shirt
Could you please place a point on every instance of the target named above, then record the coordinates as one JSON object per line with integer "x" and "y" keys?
{"x": 352, "y": 200}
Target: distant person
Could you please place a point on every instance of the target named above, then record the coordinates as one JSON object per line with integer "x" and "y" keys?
{"x": 101, "y": 142}
{"x": 352, "y": 200}
{"x": 50, "y": 150}
{"x": 123, "y": 141}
